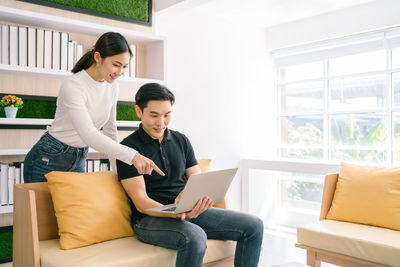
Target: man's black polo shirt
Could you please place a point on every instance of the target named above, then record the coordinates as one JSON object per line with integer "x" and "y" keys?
{"x": 173, "y": 156}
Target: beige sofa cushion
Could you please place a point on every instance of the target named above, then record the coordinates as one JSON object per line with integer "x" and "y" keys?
{"x": 123, "y": 252}
{"x": 371, "y": 243}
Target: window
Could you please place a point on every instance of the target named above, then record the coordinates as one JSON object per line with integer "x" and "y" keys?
{"x": 337, "y": 100}
{"x": 344, "y": 104}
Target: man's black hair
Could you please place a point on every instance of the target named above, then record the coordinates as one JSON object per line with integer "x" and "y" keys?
{"x": 153, "y": 91}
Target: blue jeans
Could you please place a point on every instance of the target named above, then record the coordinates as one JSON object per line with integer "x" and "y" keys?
{"x": 50, "y": 154}
{"x": 189, "y": 237}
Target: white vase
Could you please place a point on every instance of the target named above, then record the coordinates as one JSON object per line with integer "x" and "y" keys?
{"x": 11, "y": 112}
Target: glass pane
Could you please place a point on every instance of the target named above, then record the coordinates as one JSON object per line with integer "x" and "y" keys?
{"x": 365, "y": 62}
{"x": 396, "y": 129}
{"x": 367, "y": 129}
{"x": 302, "y": 97}
{"x": 302, "y": 129}
{"x": 274, "y": 195}
{"x": 396, "y": 88}
{"x": 396, "y": 156}
{"x": 302, "y": 153}
{"x": 358, "y": 93}
{"x": 302, "y": 72}
{"x": 358, "y": 155}
{"x": 396, "y": 58}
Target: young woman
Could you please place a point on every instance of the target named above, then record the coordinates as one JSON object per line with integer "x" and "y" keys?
{"x": 86, "y": 104}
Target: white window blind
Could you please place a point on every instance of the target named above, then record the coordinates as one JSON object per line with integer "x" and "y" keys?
{"x": 337, "y": 47}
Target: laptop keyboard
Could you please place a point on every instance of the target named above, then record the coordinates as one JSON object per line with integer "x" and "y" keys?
{"x": 170, "y": 209}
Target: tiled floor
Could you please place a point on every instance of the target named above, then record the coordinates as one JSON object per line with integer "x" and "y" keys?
{"x": 279, "y": 249}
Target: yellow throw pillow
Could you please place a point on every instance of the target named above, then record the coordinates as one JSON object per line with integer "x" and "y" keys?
{"x": 90, "y": 207}
{"x": 367, "y": 195}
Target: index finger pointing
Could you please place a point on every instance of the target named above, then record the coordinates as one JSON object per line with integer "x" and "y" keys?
{"x": 155, "y": 167}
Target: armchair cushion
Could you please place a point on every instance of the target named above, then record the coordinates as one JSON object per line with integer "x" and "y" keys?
{"x": 367, "y": 195}
{"x": 90, "y": 207}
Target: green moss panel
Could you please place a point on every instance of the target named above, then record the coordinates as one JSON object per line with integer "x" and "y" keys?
{"x": 132, "y": 9}
{"x": 46, "y": 109}
{"x": 5, "y": 245}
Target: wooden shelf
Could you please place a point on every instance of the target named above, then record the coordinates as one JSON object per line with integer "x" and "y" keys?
{"x": 44, "y": 122}
{"x": 62, "y": 74}
{"x": 6, "y": 209}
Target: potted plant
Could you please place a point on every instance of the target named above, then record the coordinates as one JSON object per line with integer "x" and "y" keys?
{"x": 11, "y": 104}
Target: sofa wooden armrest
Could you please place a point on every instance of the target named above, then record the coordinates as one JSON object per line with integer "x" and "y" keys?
{"x": 316, "y": 255}
{"x": 35, "y": 221}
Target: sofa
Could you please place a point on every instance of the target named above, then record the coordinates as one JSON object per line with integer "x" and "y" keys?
{"x": 347, "y": 243}
{"x": 36, "y": 240}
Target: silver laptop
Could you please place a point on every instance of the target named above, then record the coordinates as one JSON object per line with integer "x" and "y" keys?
{"x": 213, "y": 184}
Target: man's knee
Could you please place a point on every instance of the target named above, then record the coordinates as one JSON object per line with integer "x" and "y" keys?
{"x": 255, "y": 225}
{"x": 194, "y": 240}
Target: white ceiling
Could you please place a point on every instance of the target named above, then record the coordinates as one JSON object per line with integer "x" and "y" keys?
{"x": 262, "y": 13}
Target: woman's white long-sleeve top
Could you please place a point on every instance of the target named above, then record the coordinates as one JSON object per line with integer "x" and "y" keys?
{"x": 84, "y": 107}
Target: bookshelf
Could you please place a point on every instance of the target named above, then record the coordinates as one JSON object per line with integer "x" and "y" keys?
{"x": 151, "y": 67}
{"x": 151, "y": 48}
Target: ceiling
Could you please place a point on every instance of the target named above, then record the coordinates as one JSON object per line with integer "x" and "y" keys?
{"x": 262, "y": 13}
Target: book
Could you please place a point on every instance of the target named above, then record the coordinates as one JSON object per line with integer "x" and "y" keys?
{"x": 79, "y": 52}
{"x": 5, "y": 58}
{"x": 56, "y": 55}
{"x": 13, "y": 42}
{"x": 89, "y": 163}
{"x": 64, "y": 51}
{"x": 22, "y": 173}
{"x": 11, "y": 182}
{"x": 32, "y": 47}
{"x": 104, "y": 165}
{"x": 132, "y": 62}
{"x": 22, "y": 46}
{"x": 48, "y": 35}
{"x": 71, "y": 53}
{"x": 39, "y": 48}
{"x": 96, "y": 165}
{"x": 17, "y": 172}
{"x": 3, "y": 184}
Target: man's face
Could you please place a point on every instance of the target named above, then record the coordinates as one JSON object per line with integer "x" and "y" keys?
{"x": 155, "y": 117}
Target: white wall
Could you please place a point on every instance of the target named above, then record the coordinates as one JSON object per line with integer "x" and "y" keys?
{"x": 218, "y": 71}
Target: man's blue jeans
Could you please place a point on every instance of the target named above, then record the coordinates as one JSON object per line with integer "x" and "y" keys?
{"x": 189, "y": 237}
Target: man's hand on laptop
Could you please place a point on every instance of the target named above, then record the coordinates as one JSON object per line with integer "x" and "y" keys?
{"x": 145, "y": 165}
{"x": 202, "y": 205}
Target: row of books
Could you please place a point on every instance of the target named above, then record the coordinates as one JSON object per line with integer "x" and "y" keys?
{"x": 38, "y": 48}
{"x": 10, "y": 174}
{"x": 46, "y": 49}
{"x": 97, "y": 165}
{"x": 13, "y": 173}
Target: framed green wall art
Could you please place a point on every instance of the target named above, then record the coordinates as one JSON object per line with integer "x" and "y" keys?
{"x": 134, "y": 11}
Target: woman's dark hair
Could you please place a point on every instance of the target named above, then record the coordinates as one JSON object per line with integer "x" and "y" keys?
{"x": 109, "y": 44}
{"x": 153, "y": 91}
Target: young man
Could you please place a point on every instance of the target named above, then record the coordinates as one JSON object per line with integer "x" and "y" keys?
{"x": 173, "y": 153}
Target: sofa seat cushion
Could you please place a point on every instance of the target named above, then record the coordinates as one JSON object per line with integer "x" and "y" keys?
{"x": 123, "y": 252}
{"x": 376, "y": 244}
